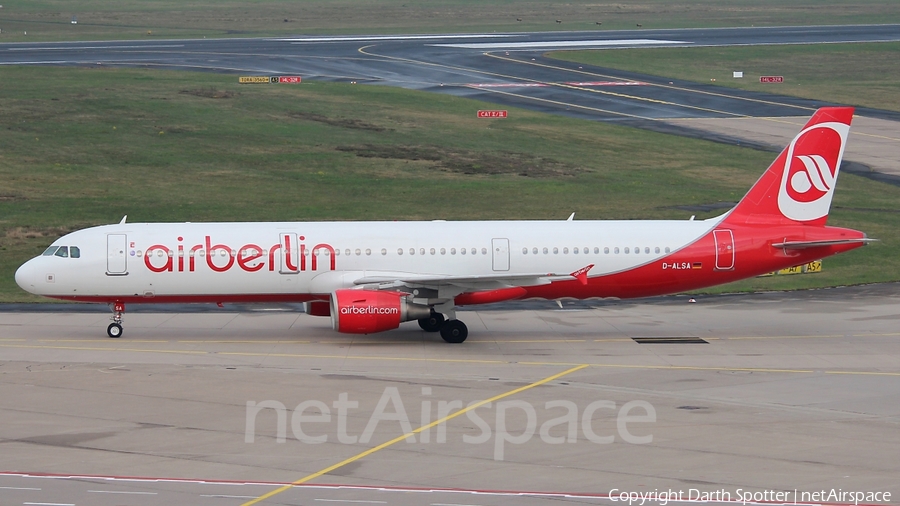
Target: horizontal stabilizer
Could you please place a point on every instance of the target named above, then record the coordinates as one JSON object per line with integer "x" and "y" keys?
{"x": 818, "y": 244}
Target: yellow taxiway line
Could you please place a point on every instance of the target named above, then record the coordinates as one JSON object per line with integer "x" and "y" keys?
{"x": 397, "y": 439}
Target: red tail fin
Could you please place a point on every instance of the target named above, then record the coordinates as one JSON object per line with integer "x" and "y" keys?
{"x": 799, "y": 185}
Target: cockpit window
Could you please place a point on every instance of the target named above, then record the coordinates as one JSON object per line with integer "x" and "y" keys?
{"x": 63, "y": 251}
{"x": 74, "y": 252}
{"x": 50, "y": 251}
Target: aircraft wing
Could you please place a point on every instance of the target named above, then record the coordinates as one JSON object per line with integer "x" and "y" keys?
{"x": 469, "y": 282}
{"x": 482, "y": 282}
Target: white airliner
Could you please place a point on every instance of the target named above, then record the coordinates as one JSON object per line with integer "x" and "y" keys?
{"x": 371, "y": 276}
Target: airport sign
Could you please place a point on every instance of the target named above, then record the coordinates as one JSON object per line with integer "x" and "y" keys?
{"x": 492, "y": 114}
{"x": 253, "y": 79}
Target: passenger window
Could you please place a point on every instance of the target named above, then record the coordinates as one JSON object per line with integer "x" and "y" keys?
{"x": 431, "y": 251}
{"x": 474, "y": 251}
{"x": 667, "y": 249}
{"x": 443, "y": 251}
{"x": 565, "y": 251}
{"x": 646, "y": 250}
{"x": 452, "y": 251}
{"x": 383, "y": 251}
{"x": 368, "y": 251}
{"x": 627, "y": 251}
{"x": 63, "y": 252}
{"x": 524, "y": 251}
{"x": 616, "y": 250}
{"x": 50, "y": 251}
{"x": 597, "y": 251}
{"x": 555, "y": 251}
{"x": 462, "y": 251}
{"x": 657, "y": 249}
{"x": 606, "y": 250}
{"x": 545, "y": 251}
{"x": 484, "y": 251}
{"x": 575, "y": 250}
{"x": 534, "y": 251}
{"x": 412, "y": 251}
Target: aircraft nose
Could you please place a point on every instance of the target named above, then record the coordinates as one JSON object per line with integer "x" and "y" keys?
{"x": 26, "y": 276}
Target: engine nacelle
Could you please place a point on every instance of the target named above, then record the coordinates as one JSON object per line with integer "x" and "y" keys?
{"x": 370, "y": 311}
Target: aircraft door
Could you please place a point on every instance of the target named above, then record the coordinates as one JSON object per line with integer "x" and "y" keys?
{"x": 116, "y": 254}
{"x": 724, "y": 249}
{"x": 500, "y": 248}
{"x": 290, "y": 254}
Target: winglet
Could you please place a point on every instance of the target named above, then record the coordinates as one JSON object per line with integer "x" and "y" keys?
{"x": 571, "y": 217}
{"x": 581, "y": 274}
{"x": 123, "y": 220}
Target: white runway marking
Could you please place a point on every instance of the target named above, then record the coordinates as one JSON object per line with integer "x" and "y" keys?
{"x": 392, "y": 37}
{"x": 562, "y": 43}
{"x": 544, "y": 85}
{"x": 77, "y": 48}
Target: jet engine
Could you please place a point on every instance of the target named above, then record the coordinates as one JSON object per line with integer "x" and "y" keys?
{"x": 370, "y": 311}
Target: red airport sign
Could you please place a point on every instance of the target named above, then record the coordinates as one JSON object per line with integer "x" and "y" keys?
{"x": 771, "y": 79}
{"x": 289, "y": 79}
{"x": 492, "y": 114}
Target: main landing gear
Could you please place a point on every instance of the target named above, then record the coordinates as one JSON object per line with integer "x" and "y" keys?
{"x": 115, "y": 328}
{"x": 452, "y": 331}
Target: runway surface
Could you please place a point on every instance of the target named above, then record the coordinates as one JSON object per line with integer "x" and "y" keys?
{"x": 748, "y": 393}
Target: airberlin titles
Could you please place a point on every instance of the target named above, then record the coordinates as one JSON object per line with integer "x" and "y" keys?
{"x": 284, "y": 256}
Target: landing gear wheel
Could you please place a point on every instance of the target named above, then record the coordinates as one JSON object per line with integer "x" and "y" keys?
{"x": 454, "y": 331}
{"x": 114, "y": 330}
{"x": 433, "y": 323}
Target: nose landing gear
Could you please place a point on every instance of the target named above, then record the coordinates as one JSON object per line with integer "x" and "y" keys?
{"x": 115, "y": 328}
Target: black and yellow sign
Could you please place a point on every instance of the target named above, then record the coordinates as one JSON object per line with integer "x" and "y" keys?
{"x": 810, "y": 268}
{"x": 254, "y": 79}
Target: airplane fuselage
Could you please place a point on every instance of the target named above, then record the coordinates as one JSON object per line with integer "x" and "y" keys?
{"x": 296, "y": 262}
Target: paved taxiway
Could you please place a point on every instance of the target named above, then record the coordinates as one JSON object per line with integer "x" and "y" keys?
{"x": 791, "y": 391}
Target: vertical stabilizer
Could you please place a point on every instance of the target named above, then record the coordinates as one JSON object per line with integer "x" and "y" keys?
{"x": 799, "y": 185}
